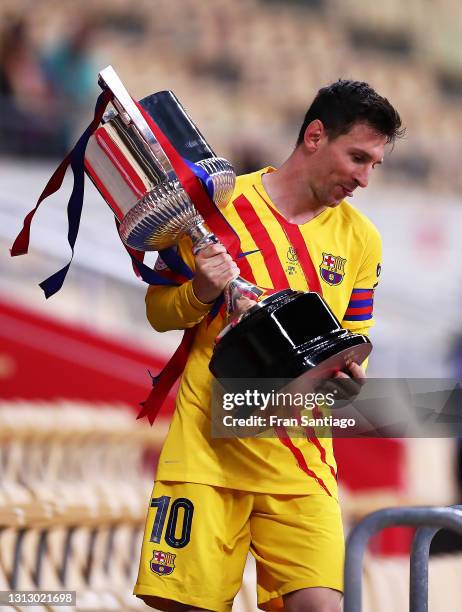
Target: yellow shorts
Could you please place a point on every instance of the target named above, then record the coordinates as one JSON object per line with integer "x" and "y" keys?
{"x": 197, "y": 538}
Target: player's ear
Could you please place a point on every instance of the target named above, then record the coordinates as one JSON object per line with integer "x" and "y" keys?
{"x": 313, "y": 134}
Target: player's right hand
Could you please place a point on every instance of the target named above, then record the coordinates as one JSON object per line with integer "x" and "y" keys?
{"x": 214, "y": 269}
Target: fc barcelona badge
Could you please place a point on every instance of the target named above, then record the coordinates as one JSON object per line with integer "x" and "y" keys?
{"x": 162, "y": 563}
{"x": 332, "y": 268}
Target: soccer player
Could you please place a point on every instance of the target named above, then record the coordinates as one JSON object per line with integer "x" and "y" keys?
{"x": 216, "y": 499}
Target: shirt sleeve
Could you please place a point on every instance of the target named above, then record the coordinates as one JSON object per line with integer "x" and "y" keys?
{"x": 170, "y": 307}
{"x": 359, "y": 314}
{"x": 364, "y": 331}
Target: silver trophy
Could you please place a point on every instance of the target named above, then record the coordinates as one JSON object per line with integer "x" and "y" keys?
{"x": 131, "y": 170}
{"x": 286, "y": 335}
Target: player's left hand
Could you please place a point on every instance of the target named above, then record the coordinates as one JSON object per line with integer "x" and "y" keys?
{"x": 347, "y": 383}
{"x": 350, "y": 381}
{"x": 353, "y": 371}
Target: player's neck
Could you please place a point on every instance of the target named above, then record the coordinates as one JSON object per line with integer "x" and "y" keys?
{"x": 291, "y": 194}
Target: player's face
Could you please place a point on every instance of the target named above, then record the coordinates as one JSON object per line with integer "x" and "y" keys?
{"x": 346, "y": 162}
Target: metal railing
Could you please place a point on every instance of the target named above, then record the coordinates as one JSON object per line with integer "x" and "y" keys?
{"x": 429, "y": 521}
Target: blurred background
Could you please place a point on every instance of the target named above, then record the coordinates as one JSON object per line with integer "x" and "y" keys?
{"x": 73, "y": 369}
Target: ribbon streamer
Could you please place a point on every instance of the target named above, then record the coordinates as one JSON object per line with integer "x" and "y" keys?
{"x": 74, "y": 207}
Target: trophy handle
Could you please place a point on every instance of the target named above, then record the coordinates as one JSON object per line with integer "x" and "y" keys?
{"x": 132, "y": 116}
{"x": 236, "y": 288}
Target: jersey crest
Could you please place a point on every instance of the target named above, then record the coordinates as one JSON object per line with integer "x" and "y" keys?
{"x": 332, "y": 268}
{"x": 162, "y": 563}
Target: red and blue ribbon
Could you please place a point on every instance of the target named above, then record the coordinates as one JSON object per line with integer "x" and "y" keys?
{"x": 74, "y": 207}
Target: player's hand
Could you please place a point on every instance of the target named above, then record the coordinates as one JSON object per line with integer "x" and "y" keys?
{"x": 353, "y": 371}
{"x": 214, "y": 269}
{"x": 349, "y": 381}
{"x": 346, "y": 384}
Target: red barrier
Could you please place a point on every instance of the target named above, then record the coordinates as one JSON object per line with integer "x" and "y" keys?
{"x": 43, "y": 358}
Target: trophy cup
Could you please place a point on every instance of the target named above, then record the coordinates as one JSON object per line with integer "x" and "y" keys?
{"x": 285, "y": 335}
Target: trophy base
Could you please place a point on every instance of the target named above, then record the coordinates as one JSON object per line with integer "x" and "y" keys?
{"x": 290, "y": 335}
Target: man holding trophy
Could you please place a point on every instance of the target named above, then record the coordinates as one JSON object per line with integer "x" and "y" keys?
{"x": 251, "y": 494}
{"x": 281, "y": 290}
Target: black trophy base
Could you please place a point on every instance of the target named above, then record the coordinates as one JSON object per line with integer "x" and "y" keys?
{"x": 289, "y": 335}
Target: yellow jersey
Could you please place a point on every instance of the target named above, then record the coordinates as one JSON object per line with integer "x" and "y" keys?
{"x": 337, "y": 252}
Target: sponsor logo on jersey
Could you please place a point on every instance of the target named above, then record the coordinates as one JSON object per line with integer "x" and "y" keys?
{"x": 292, "y": 255}
{"x": 332, "y": 268}
{"x": 292, "y": 262}
{"x": 162, "y": 563}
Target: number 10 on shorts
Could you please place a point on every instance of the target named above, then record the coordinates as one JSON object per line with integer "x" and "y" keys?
{"x": 172, "y": 536}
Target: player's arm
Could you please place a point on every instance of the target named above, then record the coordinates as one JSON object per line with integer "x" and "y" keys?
{"x": 359, "y": 315}
{"x": 184, "y": 306}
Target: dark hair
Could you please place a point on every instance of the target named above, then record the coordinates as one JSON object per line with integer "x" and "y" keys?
{"x": 344, "y": 103}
